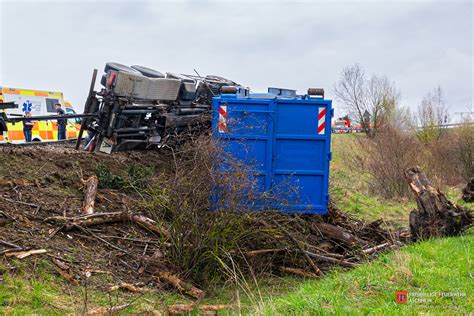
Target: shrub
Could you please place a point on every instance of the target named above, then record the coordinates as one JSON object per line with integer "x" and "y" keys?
{"x": 454, "y": 154}
{"x": 205, "y": 236}
{"x": 138, "y": 176}
{"x": 107, "y": 180}
{"x": 389, "y": 154}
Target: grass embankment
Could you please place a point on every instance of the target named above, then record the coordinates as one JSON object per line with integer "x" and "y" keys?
{"x": 442, "y": 265}
{"x": 349, "y": 190}
{"x": 428, "y": 268}
{"x": 435, "y": 266}
{"x": 431, "y": 267}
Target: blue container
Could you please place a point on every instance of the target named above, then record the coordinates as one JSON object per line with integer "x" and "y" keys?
{"x": 285, "y": 139}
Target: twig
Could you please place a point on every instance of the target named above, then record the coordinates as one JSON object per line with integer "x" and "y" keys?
{"x": 103, "y": 240}
{"x": 9, "y": 244}
{"x": 19, "y": 202}
{"x": 254, "y": 253}
{"x": 296, "y": 243}
{"x": 330, "y": 260}
{"x": 376, "y": 248}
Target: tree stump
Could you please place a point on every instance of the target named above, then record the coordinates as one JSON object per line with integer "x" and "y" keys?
{"x": 468, "y": 191}
{"x": 90, "y": 192}
{"x": 435, "y": 215}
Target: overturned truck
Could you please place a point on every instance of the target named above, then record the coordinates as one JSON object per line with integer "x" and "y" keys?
{"x": 139, "y": 107}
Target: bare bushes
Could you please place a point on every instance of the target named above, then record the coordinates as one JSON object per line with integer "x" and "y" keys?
{"x": 212, "y": 240}
{"x": 204, "y": 228}
{"x": 388, "y": 155}
{"x": 448, "y": 160}
{"x": 459, "y": 150}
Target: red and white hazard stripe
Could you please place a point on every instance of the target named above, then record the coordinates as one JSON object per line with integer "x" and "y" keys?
{"x": 322, "y": 121}
{"x": 222, "y": 119}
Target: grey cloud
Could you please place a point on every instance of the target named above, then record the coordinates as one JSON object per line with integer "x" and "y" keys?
{"x": 55, "y": 45}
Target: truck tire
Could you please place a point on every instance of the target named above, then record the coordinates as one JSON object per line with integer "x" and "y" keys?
{"x": 120, "y": 67}
{"x": 148, "y": 72}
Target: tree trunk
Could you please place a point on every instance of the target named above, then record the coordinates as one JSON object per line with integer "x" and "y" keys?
{"x": 435, "y": 215}
{"x": 339, "y": 234}
{"x": 468, "y": 191}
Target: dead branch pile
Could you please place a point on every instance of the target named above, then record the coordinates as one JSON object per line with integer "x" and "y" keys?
{"x": 169, "y": 234}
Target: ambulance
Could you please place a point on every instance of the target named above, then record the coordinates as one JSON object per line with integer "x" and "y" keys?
{"x": 38, "y": 103}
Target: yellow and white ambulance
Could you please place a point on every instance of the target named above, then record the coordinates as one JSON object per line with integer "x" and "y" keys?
{"x": 38, "y": 103}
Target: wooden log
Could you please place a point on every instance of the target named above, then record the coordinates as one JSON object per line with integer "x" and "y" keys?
{"x": 132, "y": 288}
{"x": 150, "y": 225}
{"x": 340, "y": 262}
{"x": 180, "y": 285}
{"x": 300, "y": 249}
{"x": 339, "y": 234}
{"x": 90, "y": 192}
{"x": 435, "y": 215}
{"x": 108, "y": 218}
{"x": 23, "y": 254}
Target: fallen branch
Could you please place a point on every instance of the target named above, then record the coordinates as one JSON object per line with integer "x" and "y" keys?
{"x": 376, "y": 248}
{"x": 64, "y": 270}
{"x": 180, "y": 285}
{"x": 24, "y": 254}
{"x": 9, "y": 244}
{"x": 254, "y": 253}
{"x": 298, "y": 246}
{"x": 19, "y": 202}
{"x": 339, "y": 234}
{"x": 340, "y": 262}
{"x": 132, "y": 288}
{"x": 109, "y": 218}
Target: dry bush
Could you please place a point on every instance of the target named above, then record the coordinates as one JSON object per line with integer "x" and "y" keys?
{"x": 388, "y": 155}
{"x": 207, "y": 231}
{"x": 452, "y": 155}
{"x": 214, "y": 240}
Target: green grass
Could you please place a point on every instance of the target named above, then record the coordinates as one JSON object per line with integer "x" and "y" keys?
{"x": 435, "y": 266}
{"x": 442, "y": 265}
{"x": 31, "y": 286}
{"x": 348, "y": 186}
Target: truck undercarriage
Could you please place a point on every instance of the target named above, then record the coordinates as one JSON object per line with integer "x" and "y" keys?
{"x": 141, "y": 107}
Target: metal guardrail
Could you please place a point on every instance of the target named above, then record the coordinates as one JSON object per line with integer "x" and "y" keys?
{"x": 362, "y": 130}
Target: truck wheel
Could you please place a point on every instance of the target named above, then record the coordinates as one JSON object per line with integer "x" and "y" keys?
{"x": 148, "y": 72}
{"x": 120, "y": 67}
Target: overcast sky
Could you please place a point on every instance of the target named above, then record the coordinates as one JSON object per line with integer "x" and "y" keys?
{"x": 418, "y": 44}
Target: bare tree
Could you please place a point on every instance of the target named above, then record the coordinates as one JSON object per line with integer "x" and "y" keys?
{"x": 371, "y": 102}
{"x": 432, "y": 113}
{"x": 402, "y": 118}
